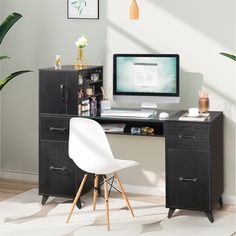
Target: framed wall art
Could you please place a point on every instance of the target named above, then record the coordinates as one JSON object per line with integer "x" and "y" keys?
{"x": 83, "y": 9}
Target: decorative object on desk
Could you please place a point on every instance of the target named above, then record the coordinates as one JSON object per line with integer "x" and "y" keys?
{"x": 58, "y": 62}
{"x": 104, "y": 97}
{"x": 80, "y": 93}
{"x": 114, "y": 128}
{"x": 82, "y": 9}
{"x": 81, "y": 62}
{"x": 193, "y": 112}
{"x": 134, "y": 10}
{"x": 147, "y": 131}
{"x": 80, "y": 80}
{"x": 93, "y": 106}
{"x": 200, "y": 117}
{"x": 203, "y": 101}
{"x": 4, "y": 28}
{"x": 105, "y": 103}
{"x": 135, "y": 130}
{"x": 94, "y": 77}
{"x": 85, "y": 107}
{"x": 89, "y": 91}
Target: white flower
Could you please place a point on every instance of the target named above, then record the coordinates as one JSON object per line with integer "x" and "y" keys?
{"x": 81, "y": 42}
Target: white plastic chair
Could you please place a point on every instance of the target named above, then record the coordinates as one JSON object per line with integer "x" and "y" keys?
{"x": 91, "y": 152}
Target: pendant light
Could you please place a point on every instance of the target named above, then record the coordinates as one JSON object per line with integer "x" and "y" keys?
{"x": 134, "y": 10}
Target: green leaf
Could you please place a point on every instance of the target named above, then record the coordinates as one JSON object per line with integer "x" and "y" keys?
{"x": 4, "y": 57}
{"x": 11, "y": 76}
{"x": 231, "y": 56}
{"x": 8, "y": 23}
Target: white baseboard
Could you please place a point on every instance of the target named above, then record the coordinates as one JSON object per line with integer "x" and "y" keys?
{"x": 137, "y": 189}
{"x": 129, "y": 188}
{"x": 8, "y": 174}
{"x": 227, "y": 199}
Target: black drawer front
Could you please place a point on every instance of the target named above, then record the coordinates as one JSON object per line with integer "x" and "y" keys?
{"x": 188, "y": 179}
{"x": 57, "y": 171}
{"x": 187, "y": 135}
{"x": 54, "y": 128}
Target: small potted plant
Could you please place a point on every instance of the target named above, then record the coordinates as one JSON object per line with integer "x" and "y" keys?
{"x": 81, "y": 62}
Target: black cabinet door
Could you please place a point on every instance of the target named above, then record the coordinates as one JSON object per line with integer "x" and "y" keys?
{"x": 188, "y": 179}
{"x": 57, "y": 171}
{"x": 58, "y": 92}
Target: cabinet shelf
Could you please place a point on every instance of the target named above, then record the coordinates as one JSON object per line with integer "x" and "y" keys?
{"x": 88, "y": 97}
{"x": 87, "y": 83}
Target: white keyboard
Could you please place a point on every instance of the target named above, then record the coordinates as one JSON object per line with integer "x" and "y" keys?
{"x": 127, "y": 113}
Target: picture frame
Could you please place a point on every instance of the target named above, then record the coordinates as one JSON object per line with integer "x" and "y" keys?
{"x": 83, "y": 9}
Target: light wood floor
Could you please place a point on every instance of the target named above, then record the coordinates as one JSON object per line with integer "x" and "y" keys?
{"x": 10, "y": 188}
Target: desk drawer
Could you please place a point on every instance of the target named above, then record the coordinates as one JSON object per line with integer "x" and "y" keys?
{"x": 57, "y": 171}
{"x": 188, "y": 179}
{"x": 187, "y": 135}
{"x": 52, "y": 128}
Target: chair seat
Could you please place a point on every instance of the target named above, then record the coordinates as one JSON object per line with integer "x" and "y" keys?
{"x": 115, "y": 165}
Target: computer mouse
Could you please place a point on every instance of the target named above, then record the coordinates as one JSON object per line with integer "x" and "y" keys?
{"x": 163, "y": 115}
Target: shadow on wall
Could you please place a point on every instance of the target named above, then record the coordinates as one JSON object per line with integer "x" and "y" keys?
{"x": 190, "y": 83}
{"x": 203, "y": 19}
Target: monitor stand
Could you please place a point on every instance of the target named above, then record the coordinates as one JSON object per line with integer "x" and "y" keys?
{"x": 148, "y": 105}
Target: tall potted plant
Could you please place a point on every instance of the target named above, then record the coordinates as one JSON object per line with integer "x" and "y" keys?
{"x": 231, "y": 56}
{"x": 4, "y": 28}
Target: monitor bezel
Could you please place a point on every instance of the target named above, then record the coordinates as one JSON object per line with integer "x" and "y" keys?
{"x": 116, "y": 93}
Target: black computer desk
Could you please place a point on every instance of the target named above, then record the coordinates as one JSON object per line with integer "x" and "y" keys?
{"x": 193, "y": 160}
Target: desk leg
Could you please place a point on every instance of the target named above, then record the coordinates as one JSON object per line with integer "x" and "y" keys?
{"x": 171, "y": 212}
{"x": 210, "y": 216}
{"x": 78, "y": 204}
{"x": 220, "y": 200}
{"x": 44, "y": 199}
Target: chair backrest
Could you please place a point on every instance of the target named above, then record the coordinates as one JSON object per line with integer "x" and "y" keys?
{"x": 88, "y": 145}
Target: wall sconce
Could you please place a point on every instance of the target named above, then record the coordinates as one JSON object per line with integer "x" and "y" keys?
{"x": 134, "y": 10}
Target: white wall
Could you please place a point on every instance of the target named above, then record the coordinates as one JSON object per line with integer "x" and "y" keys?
{"x": 195, "y": 30}
{"x": 0, "y": 93}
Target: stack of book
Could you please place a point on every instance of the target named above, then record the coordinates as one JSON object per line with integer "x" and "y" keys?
{"x": 113, "y": 128}
{"x": 200, "y": 117}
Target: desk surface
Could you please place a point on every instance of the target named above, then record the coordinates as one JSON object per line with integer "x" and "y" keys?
{"x": 173, "y": 116}
{"x": 152, "y": 122}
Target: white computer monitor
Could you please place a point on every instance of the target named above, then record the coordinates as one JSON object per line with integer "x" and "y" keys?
{"x": 146, "y": 78}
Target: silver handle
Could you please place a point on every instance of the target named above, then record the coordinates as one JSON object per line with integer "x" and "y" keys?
{"x": 188, "y": 179}
{"x": 62, "y": 97}
{"x": 57, "y": 129}
{"x": 182, "y": 136}
{"x": 57, "y": 168}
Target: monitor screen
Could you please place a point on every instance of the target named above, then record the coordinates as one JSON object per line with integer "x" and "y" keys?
{"x": 146, "y": 77}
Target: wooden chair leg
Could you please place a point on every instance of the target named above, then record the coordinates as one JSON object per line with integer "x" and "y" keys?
{"x": 95, "y": 192}
{"x": 107, "y": 204}
{"x": 77, "y": 197}
{"x": 123, "y": 193}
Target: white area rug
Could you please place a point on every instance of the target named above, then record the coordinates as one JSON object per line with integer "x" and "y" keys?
{"x": 23, "y": 215}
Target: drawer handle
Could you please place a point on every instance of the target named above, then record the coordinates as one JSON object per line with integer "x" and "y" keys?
{"x": 62, "y": 97}
{"x": 57, "y": 168}
{"x": 187, "y": 136}
{"x": 188, "y": 179}
{"x": 57, "y": 129}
